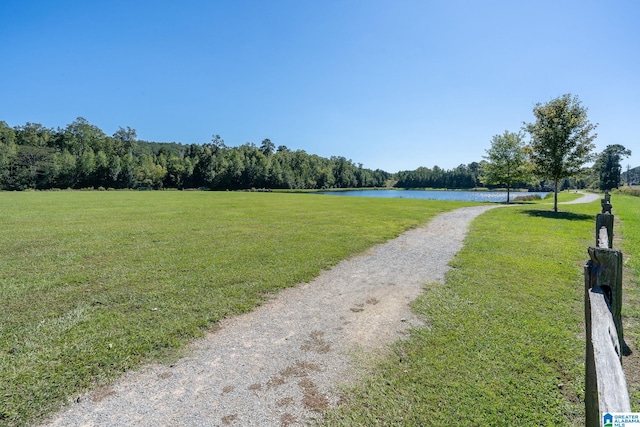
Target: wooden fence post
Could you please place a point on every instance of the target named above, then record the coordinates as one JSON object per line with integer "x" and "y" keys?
{"x": 604, "y": 230}
{"x": 606, "y": 272}
{"x": 605, "y": 220}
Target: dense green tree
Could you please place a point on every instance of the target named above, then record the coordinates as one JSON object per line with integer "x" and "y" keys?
{"x": 267, "y": 147}
{"x": 102, "y": 173}
{"x": 217, "y": 143}
{"x": 326, "y": 178}
{"x": 86, "y": 166}
{"x": 126, "y": 178}
{"x": 33, "y": 167}
{"x": 461, "y": 177}
{"x": 125, "y": 140}
{"x": 206, "y": 169}
{"x": 344, "y": 173}
{"x": 506, "y": 161}
{"x": 255, "y": 170}
{"x": 175, "y": 173}
{"x": 115, "y": 168}
{"x": 33, "y": 135}
{"x": 608, "y": 166}
{"x": 561, "y": 140}
{"x": 66, "y": 169}
{"x": 80, "y": 136}
{"x": 234, "y": 170}
{"x": 8, "y": 149}
{"x": 31, "y": 163}
{"x": 148, "y": 173}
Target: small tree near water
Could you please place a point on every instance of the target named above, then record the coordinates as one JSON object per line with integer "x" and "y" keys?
{"x": 561, "y": 140}
{"x": 506, "y": 161}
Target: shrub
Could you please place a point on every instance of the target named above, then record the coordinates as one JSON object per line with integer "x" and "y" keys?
{"x": 527, "y": 198}
{"x": 631, "y": 191}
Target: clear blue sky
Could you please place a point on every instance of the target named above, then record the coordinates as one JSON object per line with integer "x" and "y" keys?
{"x": 391, "y": 84}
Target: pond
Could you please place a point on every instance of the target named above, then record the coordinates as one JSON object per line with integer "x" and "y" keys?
{"x": 464, "y": 196}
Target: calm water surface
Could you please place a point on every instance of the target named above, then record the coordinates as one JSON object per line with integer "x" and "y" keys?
{"x": 464, "y": 196}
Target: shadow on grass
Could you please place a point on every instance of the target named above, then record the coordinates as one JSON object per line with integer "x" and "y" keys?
{"x": 570, "y": 216}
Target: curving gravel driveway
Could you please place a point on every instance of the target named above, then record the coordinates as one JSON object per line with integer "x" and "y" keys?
{"x": 280, "y": 364}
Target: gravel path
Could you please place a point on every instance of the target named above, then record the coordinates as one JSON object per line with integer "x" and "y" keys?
{"x": 586, "y": 198}
{"x": 280, "y": 364}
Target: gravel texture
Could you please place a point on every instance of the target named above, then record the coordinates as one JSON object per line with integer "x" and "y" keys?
{"x": 586, "y": 198}
{"x": 281, "y": 364}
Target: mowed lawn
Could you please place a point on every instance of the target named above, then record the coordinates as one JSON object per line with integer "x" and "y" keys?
{"x": 93, "y": 284}
{"x": 627, "y": 210}
{"x": 505, "y": 343}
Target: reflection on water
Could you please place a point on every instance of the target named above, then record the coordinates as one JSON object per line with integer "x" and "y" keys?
{"x": 464, "y": 196}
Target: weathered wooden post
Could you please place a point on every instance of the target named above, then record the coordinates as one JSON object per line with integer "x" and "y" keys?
{"x": 608, "y": 272}
{"x": 604, "y": 224}
{"x": 605, "y": 272}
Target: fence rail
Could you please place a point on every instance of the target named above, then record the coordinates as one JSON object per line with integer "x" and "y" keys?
{"x": 605, "y": 383}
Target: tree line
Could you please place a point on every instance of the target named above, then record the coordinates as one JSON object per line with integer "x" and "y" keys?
{"x": 81, "y": 155}
{"x": 462, "y": 177}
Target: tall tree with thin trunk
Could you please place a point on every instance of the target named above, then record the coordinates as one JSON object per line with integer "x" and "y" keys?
{"x": 561, "y": 140}
{"x": 506, "y": 161}
{"x": 608, "y": 166}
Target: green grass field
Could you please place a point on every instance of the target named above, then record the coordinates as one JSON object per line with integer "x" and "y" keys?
{"x": 93, "y": 284}
{"x": 96, "y": 283}
{"x": 505, "y": 342}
